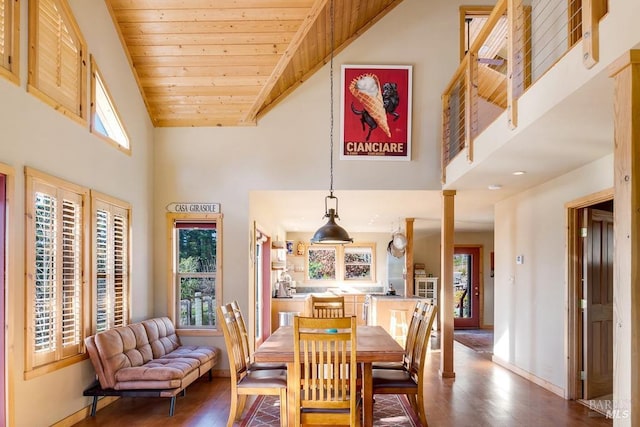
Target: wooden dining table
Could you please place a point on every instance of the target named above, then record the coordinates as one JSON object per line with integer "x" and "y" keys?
{"x": 374, "y": 344}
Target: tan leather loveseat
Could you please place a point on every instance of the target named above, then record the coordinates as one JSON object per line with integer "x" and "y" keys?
{"x": 145, "y": 359}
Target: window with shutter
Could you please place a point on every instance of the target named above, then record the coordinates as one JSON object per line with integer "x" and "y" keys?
{"x": 57, "y": 62}
{"x": 9, "y": 38}
{"x": 110, "y": 262}
{"x": 56, "y": 262}
{"x": 105, "y": 120}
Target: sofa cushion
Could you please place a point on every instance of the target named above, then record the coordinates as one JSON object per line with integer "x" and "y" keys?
{"x": 162, "y": 336}
{"x": 202, "y": 353}
{"x": 161, "y": 373}
{"x": 122, "y": 347}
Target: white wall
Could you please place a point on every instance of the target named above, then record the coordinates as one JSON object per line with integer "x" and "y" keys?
{"x": 35, "y": 135}
{"x": 530, "y": 298}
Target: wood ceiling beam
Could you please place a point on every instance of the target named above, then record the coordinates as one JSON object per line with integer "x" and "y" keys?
{"x": 284, "y": 61}
{"x": 312, "y": 70}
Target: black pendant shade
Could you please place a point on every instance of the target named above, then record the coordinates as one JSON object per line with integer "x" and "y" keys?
{"x": 331, "y": 233}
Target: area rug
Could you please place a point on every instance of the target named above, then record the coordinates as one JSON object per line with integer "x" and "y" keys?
{"x": 480, "y": 340}
{"x": 389, "y": 410}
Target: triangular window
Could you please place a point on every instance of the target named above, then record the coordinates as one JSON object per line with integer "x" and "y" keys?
{"x": 105, "y": 120}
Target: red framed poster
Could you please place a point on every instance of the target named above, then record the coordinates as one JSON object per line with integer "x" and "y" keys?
{"x": 376, "y": 112}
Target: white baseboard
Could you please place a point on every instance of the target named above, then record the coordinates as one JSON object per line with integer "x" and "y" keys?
{"x": 529, "y": 376}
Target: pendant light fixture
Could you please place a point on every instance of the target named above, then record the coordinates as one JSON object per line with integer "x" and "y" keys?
{"x": 331, "y": 233}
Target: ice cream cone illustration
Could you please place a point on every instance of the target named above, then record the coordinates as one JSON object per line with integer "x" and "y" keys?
{"x": 366, "y": 89}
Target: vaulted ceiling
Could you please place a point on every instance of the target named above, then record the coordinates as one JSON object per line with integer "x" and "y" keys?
{"x": 227, "y": 62}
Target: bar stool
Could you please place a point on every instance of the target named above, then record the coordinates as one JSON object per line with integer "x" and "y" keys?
{"x": 398, "y": 325}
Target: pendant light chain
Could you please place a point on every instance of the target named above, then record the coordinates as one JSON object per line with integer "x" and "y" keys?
{"x": 331, "y": 100}
{"x": 331, "y": 233}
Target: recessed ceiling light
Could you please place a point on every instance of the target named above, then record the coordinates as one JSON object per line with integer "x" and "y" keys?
{"x": 494, "y": 187}
{"x": 519, "y": 172}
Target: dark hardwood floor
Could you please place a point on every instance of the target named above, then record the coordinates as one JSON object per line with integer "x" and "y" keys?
{"x": 482, "y": 394}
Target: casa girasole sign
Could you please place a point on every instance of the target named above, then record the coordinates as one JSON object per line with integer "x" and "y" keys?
{"x": 193, "y": 207}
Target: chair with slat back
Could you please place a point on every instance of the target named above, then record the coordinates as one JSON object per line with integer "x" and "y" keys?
{"x": 326, "y": 369}
{"x": 409, "y": 342}
{"x": 243, "y": 381}
{"x": 251, "y": 364}
{"x": 410, "y": 381}
{"x": 325, "y": 307}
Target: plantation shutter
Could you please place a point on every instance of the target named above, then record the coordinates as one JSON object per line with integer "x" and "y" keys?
{"x": 71, "y": 274}
{"x": 4, "y": 36}
{"x": 102, "y": 269}
{"x": 121, "y": 266}
{"x": 57, "y": 296}
{"x": 111, "y": 265}
{"x": 58, "y": 48}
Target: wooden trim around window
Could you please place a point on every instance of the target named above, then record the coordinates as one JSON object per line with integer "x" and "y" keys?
{"x": 171, "y": 277}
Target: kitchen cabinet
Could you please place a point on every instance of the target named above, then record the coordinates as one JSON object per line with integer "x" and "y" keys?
{"x": 284, "y": 304}
{"x": 353, "y": 306}
{"x": 427, "y": 287}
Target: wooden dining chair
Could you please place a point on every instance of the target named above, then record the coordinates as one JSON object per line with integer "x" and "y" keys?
{"x": 325, "y": 368}
{"x": 325, "y": 307}
{"x": 251, "y": 364}
{"x": 410, "y": 340}
{"x": 410, "y": 381}
{"x": 245, "y": 382}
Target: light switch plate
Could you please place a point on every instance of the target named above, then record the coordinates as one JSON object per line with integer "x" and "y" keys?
{"x": 519, "y": 259}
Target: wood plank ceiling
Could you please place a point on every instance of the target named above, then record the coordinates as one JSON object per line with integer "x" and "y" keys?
{"x": 227, "y": 62}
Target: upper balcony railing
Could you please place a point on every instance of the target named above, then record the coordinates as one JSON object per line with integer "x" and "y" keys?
{"x": 517, "y": 44}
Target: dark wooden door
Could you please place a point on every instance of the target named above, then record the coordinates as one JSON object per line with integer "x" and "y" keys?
{"x": 598, "y": 303}
{"x": 466, "y": 287}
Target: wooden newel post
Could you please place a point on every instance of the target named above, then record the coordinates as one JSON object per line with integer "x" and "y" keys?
{"x": 626, "y": 261}
{"x": 446, "y": 301}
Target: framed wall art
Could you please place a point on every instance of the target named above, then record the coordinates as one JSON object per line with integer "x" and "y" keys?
{"x": 376, "y": 112}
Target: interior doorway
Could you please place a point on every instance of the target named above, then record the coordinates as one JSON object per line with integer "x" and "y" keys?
{"x": 466, "y": 287}
{"x": 591, "y": 300}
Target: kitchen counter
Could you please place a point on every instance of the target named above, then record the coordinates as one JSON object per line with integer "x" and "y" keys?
{"x": 394, "y": 297}
{"x": 353, "y": 305}
{"x": 380, "y": 308}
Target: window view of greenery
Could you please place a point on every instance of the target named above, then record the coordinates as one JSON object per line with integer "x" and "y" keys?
{"x": 461, "y": 288}
{"x": 197, "y": 252}
{"x": 57, "y": 298}
{"x": 322, "y": 263}
{"x": 357, "y": 264}
{"x": 111, "y": 268}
